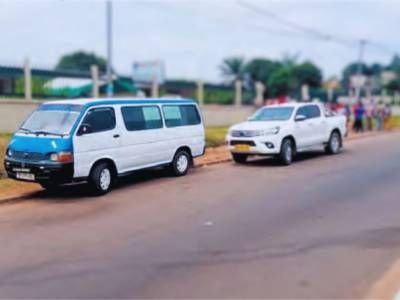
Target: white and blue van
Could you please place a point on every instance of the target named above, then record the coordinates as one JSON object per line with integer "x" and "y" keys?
{"x": 98, "y": 140}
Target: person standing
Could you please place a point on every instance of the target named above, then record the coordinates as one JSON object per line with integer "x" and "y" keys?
{"x": 368, "y": 115}
{"x": 380, "y": 112}
{"x": 347, "y": 114}
{"x": 387, "y": 113}
{"x": 359, "y": 117}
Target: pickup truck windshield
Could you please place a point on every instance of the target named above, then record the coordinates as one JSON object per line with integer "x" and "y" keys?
{"x": 272, "y": 114}
{"x": 56, "y": 119}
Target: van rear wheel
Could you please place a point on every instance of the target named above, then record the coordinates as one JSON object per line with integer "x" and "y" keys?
{"x": 101, "y": 179}
{"x": 181, "y": 163}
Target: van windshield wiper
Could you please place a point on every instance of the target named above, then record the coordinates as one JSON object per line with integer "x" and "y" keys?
{"x": 46, "y": 133}
{"x": 26, "y": 130}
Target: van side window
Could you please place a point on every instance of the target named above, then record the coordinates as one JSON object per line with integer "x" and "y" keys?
{"x": 100, "y": 119}
{"x": 181, "y": 115}
{"x": 190, "y": 115}
{"x": 141, "y": 117}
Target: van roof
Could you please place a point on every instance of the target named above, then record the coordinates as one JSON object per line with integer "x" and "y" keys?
{"x": 111, "y": 101}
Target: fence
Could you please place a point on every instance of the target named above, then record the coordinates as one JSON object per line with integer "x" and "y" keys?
{"x": 35, "y": 83}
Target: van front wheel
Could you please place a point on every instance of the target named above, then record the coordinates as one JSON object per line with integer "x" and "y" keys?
{"x": 50, "y": 187}
{"x": 101, "y": 179}
{"x": 181, "y": 163}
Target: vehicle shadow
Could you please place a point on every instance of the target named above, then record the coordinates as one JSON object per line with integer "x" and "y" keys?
{"x": 81, "y": 191}
{"x": 272, "y": 161}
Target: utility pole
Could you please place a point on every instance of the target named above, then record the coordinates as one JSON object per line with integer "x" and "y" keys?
{"x": 109, "y": 49}
{"x": 360, "y": 67}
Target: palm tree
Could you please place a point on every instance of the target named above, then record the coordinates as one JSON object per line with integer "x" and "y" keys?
{"x": 233, "y": 68}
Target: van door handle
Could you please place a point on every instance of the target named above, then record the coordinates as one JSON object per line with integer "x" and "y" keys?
{"x": 116, "y": 136}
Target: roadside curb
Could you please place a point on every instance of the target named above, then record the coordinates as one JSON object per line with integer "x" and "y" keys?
{"x": 23, "y": 196}
{"x": 216, "y": 162}
{"x": 17, "y": 198}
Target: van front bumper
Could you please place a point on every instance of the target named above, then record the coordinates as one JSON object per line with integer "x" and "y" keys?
{"x": 268, "y": 145}
{"x": 44, "y": 172}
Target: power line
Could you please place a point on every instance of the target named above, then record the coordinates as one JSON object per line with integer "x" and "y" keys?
{"x": 317, "y": 34}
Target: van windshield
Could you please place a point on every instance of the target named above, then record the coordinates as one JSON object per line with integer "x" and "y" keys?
{"x": 272, "y": 114}
{"x": 56, "y": 119}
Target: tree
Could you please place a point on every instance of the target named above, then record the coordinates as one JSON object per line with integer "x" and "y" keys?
{"x": 376, "y": 69}
{"x": 352, "y": 69}
{"x": 307, "y": 73}
{"x": 395, "y": 64}
{"x": 81, "y": 61}
{"x": 260, "y": 69}
{"x": 281, "y": 82}
{"x": 394, "y": 85}
{"x": 233, "y": 68}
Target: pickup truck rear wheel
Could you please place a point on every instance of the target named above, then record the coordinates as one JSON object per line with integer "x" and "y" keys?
{"x": 239, "y": 158}
{"x": 287, "y": 152}
{"x": 334, "y": 143}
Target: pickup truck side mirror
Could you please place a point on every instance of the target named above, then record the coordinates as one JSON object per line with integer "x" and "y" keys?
{"x": 84, "y": 129}
{"x": 300, "y": 118}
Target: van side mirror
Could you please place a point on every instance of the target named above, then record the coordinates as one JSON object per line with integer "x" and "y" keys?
{"x": 84, "y": 129}
{"x": 300, "y": 118}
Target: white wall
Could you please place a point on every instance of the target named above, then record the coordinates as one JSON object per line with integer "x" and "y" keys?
{"x": 14, "y": 112}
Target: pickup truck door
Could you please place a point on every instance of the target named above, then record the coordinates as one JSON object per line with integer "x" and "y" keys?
{"x": 302, "y": 129}
{"x": 317, "y": 123}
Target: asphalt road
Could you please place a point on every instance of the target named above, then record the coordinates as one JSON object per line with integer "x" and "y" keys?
{"x": 325, "y": 227}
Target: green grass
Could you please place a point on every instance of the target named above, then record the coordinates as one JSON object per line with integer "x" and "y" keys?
{"x": 4, "y": 139}
{"x": 215, "y": 136}
{"x": 394, "y": 122}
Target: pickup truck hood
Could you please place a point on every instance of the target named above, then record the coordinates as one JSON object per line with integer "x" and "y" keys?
{"x": 257, "y": 125}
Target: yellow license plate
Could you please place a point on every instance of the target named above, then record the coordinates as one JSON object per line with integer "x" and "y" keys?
{"x": 242, "y": 148}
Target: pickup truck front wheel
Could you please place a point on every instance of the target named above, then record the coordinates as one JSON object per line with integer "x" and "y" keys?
{"x": 287, "y": 152}
{"x": 334, "y": 143}
{"x": 239, "y": 158}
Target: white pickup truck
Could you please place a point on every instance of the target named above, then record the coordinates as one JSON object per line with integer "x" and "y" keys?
{"x": 283, "y": 130}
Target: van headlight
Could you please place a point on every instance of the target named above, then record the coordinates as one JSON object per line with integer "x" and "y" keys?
{"x": 9, "y": 152}
{"x": 61, "y": 157}
{"x": 270, "y": 131}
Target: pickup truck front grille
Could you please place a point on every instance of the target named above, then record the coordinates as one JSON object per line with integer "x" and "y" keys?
{"x": 243, "y": 133}
{"x": 238, "y": 142}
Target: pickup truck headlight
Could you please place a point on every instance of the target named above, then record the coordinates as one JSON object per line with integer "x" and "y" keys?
{"x": 270, "y": 131}
{"x": 61, "y": 157}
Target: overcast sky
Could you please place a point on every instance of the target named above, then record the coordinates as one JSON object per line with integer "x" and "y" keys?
{"x": 193, "y": 37}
